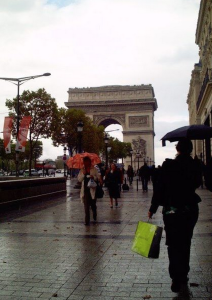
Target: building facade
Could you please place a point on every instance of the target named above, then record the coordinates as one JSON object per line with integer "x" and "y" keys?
{"x": 130, "y": 106}
{"x": 200, "y": 92}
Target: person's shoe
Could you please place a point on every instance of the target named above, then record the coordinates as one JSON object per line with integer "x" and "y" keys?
{"x": 87, "y": 223}
{"x": 175, "y": 287}
{"x": 111, "y": 206}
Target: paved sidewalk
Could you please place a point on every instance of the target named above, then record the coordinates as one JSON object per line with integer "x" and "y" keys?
{"x": 46, "y": 252}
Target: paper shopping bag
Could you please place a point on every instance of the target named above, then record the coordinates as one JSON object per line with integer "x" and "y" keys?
{"x": 147, "y": 240}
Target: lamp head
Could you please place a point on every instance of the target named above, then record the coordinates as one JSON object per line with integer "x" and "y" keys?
{"x": 80, "y": 125}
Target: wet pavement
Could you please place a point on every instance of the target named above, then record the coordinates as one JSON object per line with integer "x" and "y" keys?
{"x": 47, "y": 252}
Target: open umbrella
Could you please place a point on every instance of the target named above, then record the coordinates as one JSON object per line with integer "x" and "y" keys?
{"x": 192, "y": 132}
{"x": 76, "y": 162}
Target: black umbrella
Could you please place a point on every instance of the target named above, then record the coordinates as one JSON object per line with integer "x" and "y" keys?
{"x": 192, "y": 132}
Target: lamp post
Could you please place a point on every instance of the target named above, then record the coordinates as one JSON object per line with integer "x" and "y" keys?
{"x": 43, "y": 167}
{"x": 131, "y": 153}
{"x": 36, "y": 153}
{"x": 79, "y": 130}
{"x": 64, "y": 160}
{"x": 106, "y": 140}
{"x": 138, "y": 155}
{"x": 18, "y": 82}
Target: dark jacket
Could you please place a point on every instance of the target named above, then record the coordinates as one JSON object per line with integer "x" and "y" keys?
{"x": 113, "y": 180}
{"x": 144, "y": 172}
{"x": 179, "y": 178}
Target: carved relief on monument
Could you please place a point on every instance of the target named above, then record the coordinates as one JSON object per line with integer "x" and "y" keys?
{"x": 141, "y": 94}
{"x": 139, "y": 145}
{"x": 138, "y": 121}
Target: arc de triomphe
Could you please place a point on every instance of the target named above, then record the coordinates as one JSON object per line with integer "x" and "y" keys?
{"x": 130, "y": 106}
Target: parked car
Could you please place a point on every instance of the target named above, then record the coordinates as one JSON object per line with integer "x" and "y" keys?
{"x": 2, "y": 173}
{"x": 33, "y": 172}
{"x": 12, "y": 173}
{"x": 21, "y": 172}
{"x": 40, "y": 172}
{"x": 51, "y": 171}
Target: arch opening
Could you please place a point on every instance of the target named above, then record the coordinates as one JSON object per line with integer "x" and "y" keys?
{"x": 108, "y": 121}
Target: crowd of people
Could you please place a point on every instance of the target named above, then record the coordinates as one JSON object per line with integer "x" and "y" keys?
{"x": 174, "y": 185}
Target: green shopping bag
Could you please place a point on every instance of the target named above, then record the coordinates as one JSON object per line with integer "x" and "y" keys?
{"x": 147, "y": 240}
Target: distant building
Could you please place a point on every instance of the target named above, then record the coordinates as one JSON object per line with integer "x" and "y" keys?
{"x": 200, "y": 92}
{"x": 131, "y": 106}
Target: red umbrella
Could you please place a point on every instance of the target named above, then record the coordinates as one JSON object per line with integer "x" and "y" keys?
{"x": 76, "y": 162}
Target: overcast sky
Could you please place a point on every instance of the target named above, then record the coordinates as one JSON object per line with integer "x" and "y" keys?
{"x": 87, "y": 43}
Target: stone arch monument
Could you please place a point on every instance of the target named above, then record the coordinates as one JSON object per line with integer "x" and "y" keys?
{"x": 132, "y": 107}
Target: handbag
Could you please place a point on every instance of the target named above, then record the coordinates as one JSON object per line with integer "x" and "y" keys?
{"x": 147, "y": 240}
{"x": 99, "y": 191}
{"x": 91, "y": 183}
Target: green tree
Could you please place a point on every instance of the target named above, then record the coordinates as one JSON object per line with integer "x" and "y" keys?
{"x": 118, "y": 149}
{"x": 7, "y": 161}
{"x": 42, "y": 108}
{"x": 65, "y": 131}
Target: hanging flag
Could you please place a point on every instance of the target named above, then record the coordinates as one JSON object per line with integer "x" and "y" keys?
{"x": 22, "y": 134}
{"x": 8, "y": 122}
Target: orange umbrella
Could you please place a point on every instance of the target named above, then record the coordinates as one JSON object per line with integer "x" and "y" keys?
{"x": 76, "y": 161}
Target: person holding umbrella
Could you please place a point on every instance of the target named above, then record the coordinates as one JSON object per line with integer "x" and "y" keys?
{"x": 175, "y": 191}
{"x": 88, "y": 194}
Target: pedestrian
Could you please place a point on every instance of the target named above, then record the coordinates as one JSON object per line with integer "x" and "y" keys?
{"x": 130, "y": 174}
{"x": 113, "y": 180}
{"x": 87, "y": 194}
{"x": 145, "y": 176}
{"x": 175, "y": 191}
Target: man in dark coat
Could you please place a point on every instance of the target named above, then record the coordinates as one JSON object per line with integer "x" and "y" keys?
{"x": 175, "y": 191}
{"x": 130, "y": 174}
{"x": 144, "y": 173}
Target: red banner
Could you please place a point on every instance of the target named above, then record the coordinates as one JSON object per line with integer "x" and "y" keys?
{"x": 8, "y": 122}
{"x": 22, "y": 134}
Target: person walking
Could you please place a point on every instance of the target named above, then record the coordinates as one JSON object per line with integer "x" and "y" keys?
{"x": 144, "y": 172}
{"x": 175, "y": 191}
{"x": 130, "y": 174}
{"x": 87, "y": 194}
{"x": 113, "y": 180}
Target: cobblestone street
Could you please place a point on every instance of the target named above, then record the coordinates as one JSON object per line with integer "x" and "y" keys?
{"x": 47, "y": 252}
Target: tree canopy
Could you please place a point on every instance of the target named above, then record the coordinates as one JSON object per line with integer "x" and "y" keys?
{"x": 118, "y": 149}
{"x": 42, "y": 108}
{"x": 65, "y": 131}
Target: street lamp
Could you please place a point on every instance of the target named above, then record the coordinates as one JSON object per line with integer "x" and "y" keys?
{"x": 106, "y": 140}
{"x": 131, "y": 153}
{"x": 36, "y": 154}
{"x": 43, "y": 167}
{"x": 79, "y": 130}
{"x": 64, "y": 160}
{"x": 18, "y": 82}
{"x": 138, "y": 155}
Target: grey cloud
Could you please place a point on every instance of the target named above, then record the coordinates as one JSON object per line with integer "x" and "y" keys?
{"x": 16, "y": 5}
